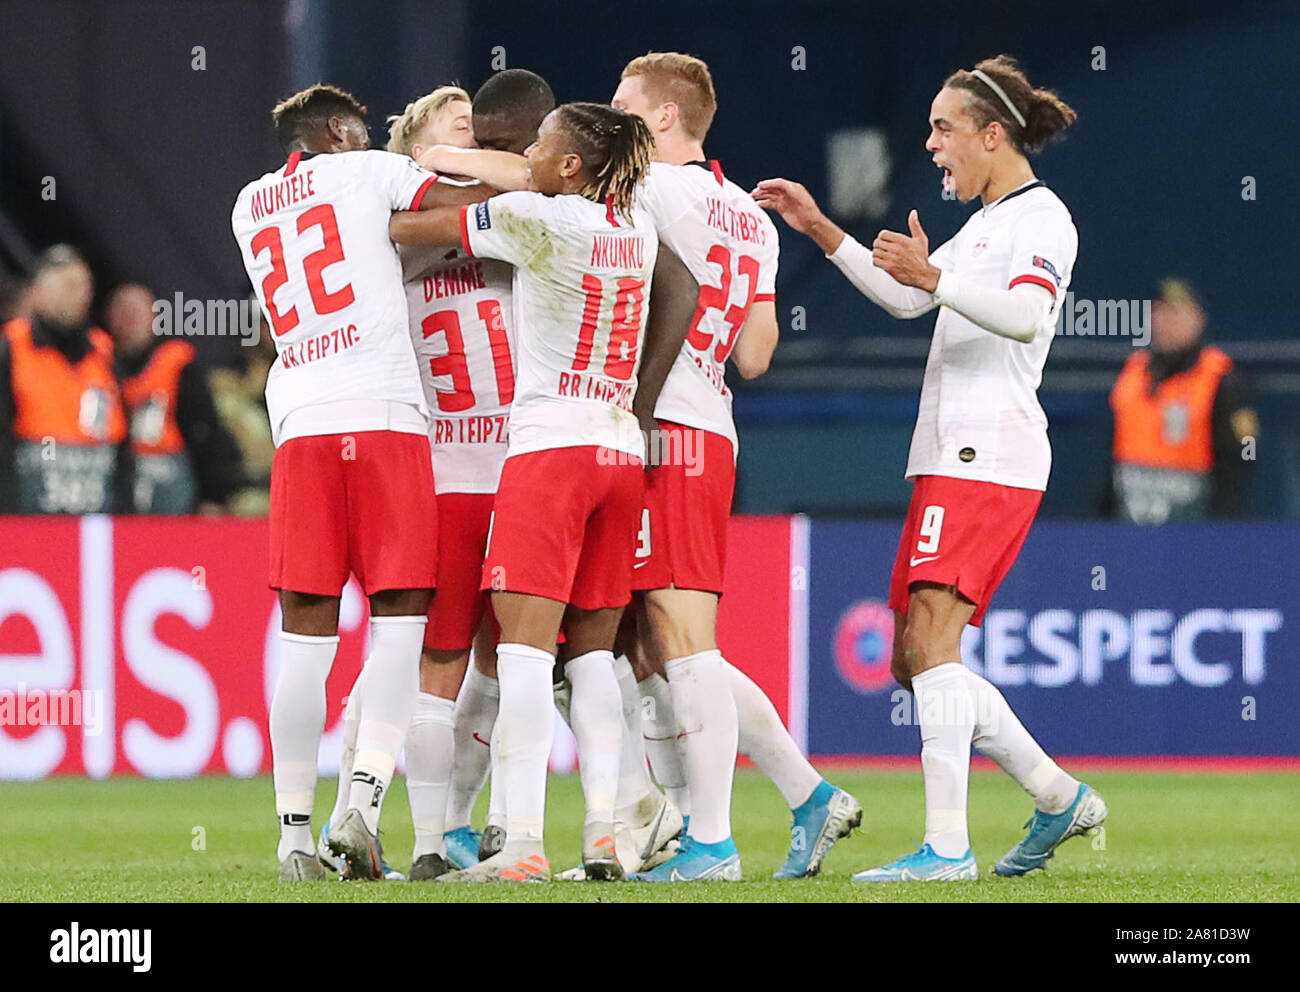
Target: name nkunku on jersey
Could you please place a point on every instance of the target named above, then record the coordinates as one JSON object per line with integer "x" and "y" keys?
{"x": 463, "y": 327}
{"x": 979, "y": 415}
{"x": 581, "y": 289}
{"x": 731, "y": 248}
{"x": 314, "y": 239}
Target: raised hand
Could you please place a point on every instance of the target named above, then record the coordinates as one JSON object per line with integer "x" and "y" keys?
{"x": 798, "y": 208}
{"x": 906, "y": 257}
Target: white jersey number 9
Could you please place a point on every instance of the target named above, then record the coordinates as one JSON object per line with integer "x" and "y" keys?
{"x": 930, "y": 529}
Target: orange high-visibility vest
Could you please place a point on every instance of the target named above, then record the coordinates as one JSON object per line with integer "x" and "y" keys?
{"x": 158, "y": 383}
{"x": 76, "y": 403}
{"x": 1171, "y": 426}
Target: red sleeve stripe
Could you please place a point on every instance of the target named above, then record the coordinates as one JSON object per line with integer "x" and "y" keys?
{"x": 1047, "y": 284}
{"x": 764, "y": 297}
{"x": 464, "y": 229}
{"x": 419, "y": 193}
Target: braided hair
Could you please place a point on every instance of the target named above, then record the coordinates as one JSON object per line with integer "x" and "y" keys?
{"x": 616, "y": 150}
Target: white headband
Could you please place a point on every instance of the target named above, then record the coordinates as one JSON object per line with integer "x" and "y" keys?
{"x": 981, "y": 75}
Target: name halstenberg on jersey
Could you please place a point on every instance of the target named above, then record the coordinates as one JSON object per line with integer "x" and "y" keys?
{"x": 737, "y": 223}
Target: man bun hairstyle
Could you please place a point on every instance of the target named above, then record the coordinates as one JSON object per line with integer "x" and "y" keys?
{"x": 1046, "y": 116}
{"x": 616, "y": 149}
{"x": 307, "y": 112}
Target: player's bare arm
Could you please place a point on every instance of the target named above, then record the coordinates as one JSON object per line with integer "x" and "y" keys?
{"x": 757, "y": 341}
{"x": 438, "y": 225}
{"x": 504, "y": 170}
{"x": 798, "y": 209}
{"x": 448, "y": 195}
{"x": 673, "y": 294}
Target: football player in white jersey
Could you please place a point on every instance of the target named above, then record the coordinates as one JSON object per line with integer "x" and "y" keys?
{"x": 681, "y": 545}
{"x": 709, "y": 706}
{"x": 566, "y": 513}
{"x": 461, "y": 325}
{"x": 507, "y": 109}
{"x": 352, "y": 456}
{"x": 980, "y": 457}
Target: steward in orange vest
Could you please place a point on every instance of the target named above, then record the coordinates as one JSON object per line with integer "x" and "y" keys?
{"x": 62, "y": 424}
{"x": 1181, "y": 427}
{"x": 183, "y": 455}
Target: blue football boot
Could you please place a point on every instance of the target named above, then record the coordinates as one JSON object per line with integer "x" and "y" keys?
{"x": 696, "y": 862}
{"x": 827, "y": 815}
{"x": 923, "y": 865}
{"x": 1047, "y": 831}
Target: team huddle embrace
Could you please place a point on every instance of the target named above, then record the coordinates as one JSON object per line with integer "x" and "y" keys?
{"x": 500, "y": 403}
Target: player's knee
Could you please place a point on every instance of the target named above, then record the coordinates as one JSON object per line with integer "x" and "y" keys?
{"x": 910, "y": 652}
{"x": 678, "y": 630}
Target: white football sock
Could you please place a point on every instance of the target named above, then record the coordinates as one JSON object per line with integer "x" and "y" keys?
{"x": 430, "y": 742}
{"x": 476, "y": 715}
{"x": 387, "y": 702}
{"x": 945, "y": 711}
{"x": 525, "y": 725}
{"x": 706, "y": 712}
{"x": 1000, "y": 735}
{"x": 496, "y": 816}
{"x": 351, "y": 717}
{"x": 596, "y": 716}
{"x": 634, "y": 784}
{"x": 297, "y": 721}
{"x": 660, "y": 730}
{"x": 765, "y": 741}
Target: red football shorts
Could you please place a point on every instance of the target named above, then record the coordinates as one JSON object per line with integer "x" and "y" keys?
{"x": 565, "y": 525}
{"x": 360, "y": 502}
{"x": 961, "y": 533}
{"x": 683, "y": 537}
{"x": 458, "y": 606}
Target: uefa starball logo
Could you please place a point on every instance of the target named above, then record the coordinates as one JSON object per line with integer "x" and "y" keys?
{"x": 863, "y": 646}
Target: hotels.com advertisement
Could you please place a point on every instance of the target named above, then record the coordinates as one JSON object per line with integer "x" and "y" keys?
{"x": 148, "y": 646}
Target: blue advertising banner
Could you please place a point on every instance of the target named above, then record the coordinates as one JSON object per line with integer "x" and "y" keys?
{"x": 1106, "y": 639}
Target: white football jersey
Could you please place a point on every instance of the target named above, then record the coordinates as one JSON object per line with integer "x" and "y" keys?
{"x": 581, "y": 292}
{"x": 462, "y": 326}
{"x": 979, "y": 415}
{"x": 730, "y": 246}
{"x": 314, "y": 237}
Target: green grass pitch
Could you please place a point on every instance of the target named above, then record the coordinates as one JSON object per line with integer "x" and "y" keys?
{"x": 1170, "y": 837}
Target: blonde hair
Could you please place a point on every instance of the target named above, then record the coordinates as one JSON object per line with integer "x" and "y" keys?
{"x": 403, "y": 127}
{"x": 671, "y": 77}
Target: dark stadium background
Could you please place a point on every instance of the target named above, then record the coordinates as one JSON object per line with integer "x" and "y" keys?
{"x": 148, "y": 154}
